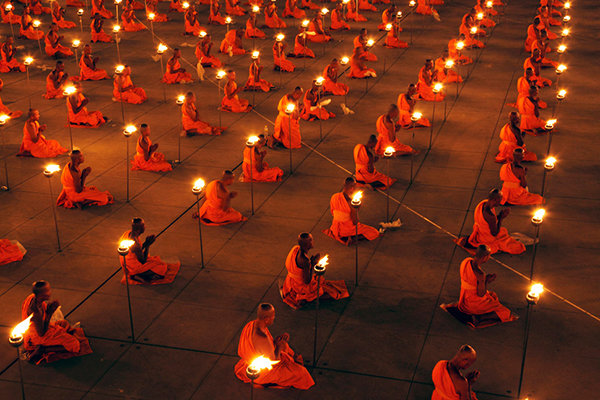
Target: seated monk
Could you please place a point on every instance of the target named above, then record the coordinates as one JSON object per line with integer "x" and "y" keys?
{"x": 530, "y": 113}
{"x": 89, "y": 71}
{"x": 445, "y": 74}
{"x": 387, "y": 129}
{"x": 542, "y": 45}
{"x": 284, "y": 122}
{"x": 98, "y": 34}
{"x": 53, "y": 47}
{"x": 5, "y": 110}
{"x": 255, "y": 83}
{"x": 488, "y": 229}
{"x": 279, "y": 58}
{"x": 48, "y": 340}
{"x": 216, "y": 209}
{"x": 512, "y": 139}
{"x": 129, "y": 24}
{"x": 388, "y": 16}
{"x": 307, "y": 4}
{"x": 392, "y": 40}
{"x": 134, "y": 5}
{"x": 78, "y": 112}
{"x": 174, "y": 73}
{"x": 233, "y": 8}
{"x": 175, "y": 5}
{"x": 361, "y": 41}
{"x": 231, "y": 101}
{"x": 546, "y": 18}
{"x": 352, "y": 13}
{"x": 146, "y": 157}
{"x": 125, "y": 90}
{"x": 37, "y": 8}
{"x": 535, "y": 63}
{"x": 449, "y": 382}
{"x": 8, "y": 17}
{"x": 256, "y": 341}
{"x": 523, "y": 85}
{"x": 406, "y": 106}
{"x": 35, "y": 143}
{"x": 427, "y": 79}
{"x": 316, "y": 32}
{"x": 272, "y": 20}
{"x": 358, "y": 69}
{"x": 139, "y": 266}
{"x": 9, "y": 63}
{"x": 75, "y": 3}
{"x": 151, "y": 8}
{"x": 514, "y": 187}
{"x": 252, "y": 32}
{"x": 291, "y": 10}
{"x": 58, "y": 17}
{"x": 331, "y": 84}
{"x": 364, "y": 5}
{"x": 27, "y": 30}
{"x": 337, "y": 19}
{"x": 301, "y": 49}
{"x": 470, "y": 28}
{"x": 545, "y": 24}
{"x": 192, "y": 26}
{"x": 345, "y": 217}
{"x": 300, "y": 285}
{"x": 191, "y": 121}
{"x": 98, "y": 8}
{"x": 232, "y": 44}
{"x": 215, "y": 18}
{"x": 256, "y": 168}
{"x": 312, "y": 108}
{"x": 533, "y": 33}
{"x": 365, "y": 171}
{"x": 74, "y": 192}
{"x": 203, "y": 49}
{"x": 11, "y": 251}
{"x": 455, "y": 47}
{"x": 424, "y": 7}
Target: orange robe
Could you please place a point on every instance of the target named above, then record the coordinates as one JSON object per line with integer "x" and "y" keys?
{"x": 423, "y": 8}
{"x": 212, "y": 213}
{"x": 235, "y": 9}
{"x": 425, "y": 91}
{"x": 337, "y": 22}
{"x": 9, "y": 17}
{"x": 59, "y": 333}
{"x": 367, "y": 56}
{"x": 309, "y": 4}
{"x": 51, "y": 51}
{"x": 69, "y": 196}
{"x": 253, "y": 84}
{"x": 336, "y": 88}
{"x": 135, "y": 267}
{"x": 88, "y": 74}
{"x": 342, "y": 228}
{"x": 206, "y": 61}
{"x": 444, "y": 387}
{"x": 512, "y": 190}
{"x": 230, "y": 42}
{"x": 455, "y": 54}
{"x": 485, "y": 22}
{"x": 545, "y": 62}
{"x": 308, "y": 114}
{"x": 43, "y": 148}
{"x": 75, "y": 3}
{"x": 301, "y": 51}
{"x": 83, "y": 117}
{"x": 364, "y": 5}
{"x": 508, "y": 146}
{"x": 175, "y": 5}
{"x": 235, "y": 104}
{"x": 528, "y": 119}
{"x": 10, "y": 251}
{"x": 361, "y": 159}
{"x": 540, "y": 81}
{"x": 405, "y": 114}
{"x": 383, "y": 140}
{"x": 203, "y": 128}
{"x": 216, "y": 19}
{"x": 100, "y": 36}
{"x": 393, "y": 42}
{"x": 471, "y": 303}
{"x": 171, "y": 77}
{"x": 482, "y": 235}
{"x": 38, "y": 9}
{"x": 280, "y": 61}
{"x": 282, "y": 126}
{"x": 523, "y": 86}
{"x": 359, "y": 73}
{"x": 266, "y": 175}
{"x": 274, "y": 21}
{"x": 131, "y": 26}
{"x": 295, "y": 291}
{"x": 62, "y": 24}
{"x": 386, "y": 19}
{"x": 296, "y": 13}
{"x": 253, "y": 32}
{"x": 157, "y": 161}
{"x": 450, "y": 77}
{"x": 286, "y": 373}
{"x": 5, "y": 110}
{"x": 127, "y": 94}
{"x": 103, "y": 11}
{"x": 30, "y": 32}
{"x": 193, "y": 30}
{"x": 352, "y": 14}
{"x": 317, "y": 37}
{"x": 7, "y": 65}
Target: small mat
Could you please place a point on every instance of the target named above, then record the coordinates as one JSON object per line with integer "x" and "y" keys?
{"x": 172, "y": 271}
{"x": 465, "y": 319}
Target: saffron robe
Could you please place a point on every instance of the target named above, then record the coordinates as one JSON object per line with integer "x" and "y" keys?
{"x": 51, "y": 92}
{"x": 279, "y": 59}
{"x": 230, "y": 42}
{"x": 212, "y": 213}
{"x": 342, "y": 228}
{"x": 425, "y": 91}
{"x": 209, "y": 61}
{"x": 300, "y": 50}
{"x": 512, "y": 190}
{"x": 444, "y": 387}
{"x": 88, "y": 74}
{"x": 69, "y": 197}
{"x": 156, "y": 162}
{"x": 529, "y": 121}
{"x": 405, "y": 114}
{"x": 508, "y": 146}
{"x": 153, "y": 263}
{"x": 361, "y": 159}
{"x": 43, "y": 148}
{"x": 203, "y": 128}
{"x": 51, "y": 51}
{"x": 266, "y": 175}
{"x": 83, "y": 117}
{"x": 235, "y": 104}
{"x": 10, "y": 251}
{"x": 383, "y": 140}
{"x": 253, "y": 83}
{"x": 100, "y": 35}
{"x": 171, "y": 77}
{"x": 127, "y": 94}
{"x": 337, "y": 21}
{"x": 335, "y": 88}
{"x": 482, "y": 235}
{"x": 282, "y": 126}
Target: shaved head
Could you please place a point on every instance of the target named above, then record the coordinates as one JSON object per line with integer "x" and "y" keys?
{"x": 265, "y": 310}
{"x": 38, "y": 287}
{"x": 482, "y": 251}
{"x": 350, "y": 181}
{"x": 495, "y": 194}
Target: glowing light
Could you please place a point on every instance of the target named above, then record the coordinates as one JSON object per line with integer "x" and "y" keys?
{"x": 186, "y": 5}
{"x": 565, "y": 32}
{"x": 76, "y": 43}
{"x": 370, "y": 42}
{"x": 52, "y": 168}
{"x": 180, "y": 99}
{"x": 567, "y": 5}
{"x": 561, "y": 68}
{"x": 202, "y": 34}
{"x": 221, "y": 74}
{"x": 228, "y": 20}
{"x": 566, "y": 18}
{"x": 255, "y": 9}
{"x": 550, "y": 161}
{"x": 357, "y": 198}
{"x": 324, "y": 10}
{"x": 151, "y": 16}
{"x": 412, "y": 3}
{"x": 255, "y": 54}
{"x": 161, "y": 48}
{"x": 69, "y": 90}
{"x": 320, "y": 80}
{"x": 346, "y": 1}
{"x": 290, "y": 108}
{"x": 3, "y": 119}
{"x": 119, "y": 69}
{"x": 550, "y": 124}
{"x": 80, "y": 12}
{"x": 389, "y": 151}
{"x": 561, "y": 48}
{"x": 118, "y": 1}
{"x": 124, "y": 245}
{"x": 9, "y": 7}
{"x": 388, "y": 27}
{"x": 460, "y": 45}
{"x": 345, "y": 60}
{"x": 473, "y": 30}
{"x": 36, "y": 23}
{"x": 437, "y": 88}
{"x": 305, "y": 23}
{"x": 21, "y": 328}
{"x": 489, "y": 4}
{"x": 538, "y": 217}
{"x": 324, "y": 261}
{"x": 262, "y": 362}
{"x": 130, "y": 130}
{"x": 399, "y": 14}
{"x": 280, "y": 37}
{"x": 28, "y": 61}
{"x": 116, "y": 29}
{"x": 480, "y": 16}
{"x": 537, "y": 289}
{"x": 199, "y": 185}
{"x": 561, "y": 94}
{"x": 416, "y": 116}
{"x": 449, "y": 64}
{"x": 252, "y": 140}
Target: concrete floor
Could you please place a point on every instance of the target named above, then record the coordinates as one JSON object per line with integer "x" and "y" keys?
{"x": 384, "y": 340}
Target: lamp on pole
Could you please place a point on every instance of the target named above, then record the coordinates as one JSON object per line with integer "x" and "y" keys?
{"x": 80, "y": 14}
{"x": 289, "y": 110}
{"x": 279, "y": 39}
{"x": 388, "y": 154}
{"x": 160, "y": 51}
{"x": 28, "y": 61}
{"x": 319, "y": 84}
{"x": 437, "y": 88}
{"x": 356, "y": 203}
{"x": 220, "y": 75}
{"x": 196, "y": 191}
{"x": 16, "y": 340}
{"x": 318, "y": 270}
{"x": 3, "y": 120}
{"x": 179, "y": 101}
{"x": 532, "y": 299}
{"x": 123, "y": 251}
{"x": 116, "y": 30}
{"x": 49, "y": 173}
{"x": 127, "y": 132}
{"x": 416, "y": 116}
{"x": 69, "y": 90}
{"x": 548, "y": 167}
{"x": 250, "y": 143}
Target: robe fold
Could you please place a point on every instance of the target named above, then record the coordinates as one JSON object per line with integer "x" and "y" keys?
{"x": 295, "y": 13}
{"x": 274, "y": 21}
{"x": 508, "y": 146}
{"x": 425, "y": 91}
{"x": 171, "y": 77}
{"x": 342, "y": 228}
{"x": 529, "y": 121}
{"x": 128, "y": 94}
{"x": 482, "y": 235}
{"x": 203, "y": 128}
{"x": 100, "y": 36}
{"x": 254, "y": 84}
{"x": 268, "y": 174}
{"x": 88, "y": 74}
{"x": 153, "y": 263}
{"x": 301, "y": 51}
{"x": 212, "y": 213}
{"x": 235, "y": 104}
{"x": 209, "y": 61}
{"x": 282, "y": 126}
{"x": 229, "y": 43}
{"x": 253, "y": 32}
{"x": 383, "y": 140}
{"x": 337, "y": 22}
{"x": 30, "y": 33}
{"x": 335, "y": 88}
{"x": 405, "y": 115}
{"x": 156, "y": 162}
{"x": 361, "y": 160}
{"x": 43, "y": 148}
{"x": 84, "y": 117}
{"x": 444, "y": 387}
{"x": 90, "y": 195}
{"x": 280, "y": 61}
{"x": 51, "y": 91}
{"x": 317, "y": 37}
{"x": 512, "y": 190}
{"x": 10, "y": 251}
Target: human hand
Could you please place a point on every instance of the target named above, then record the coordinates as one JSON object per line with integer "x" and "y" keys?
{"x": 150, "y": 239}
{"x": 489, "y": 278}
{"x": 233, "y": 194}
{"x": 504, "y": 213}
{"x": 86, "y": 171}
{"x": 472, "y": 377}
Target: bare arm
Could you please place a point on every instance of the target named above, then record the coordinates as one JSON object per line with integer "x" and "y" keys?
{"x": 33, "y": 134}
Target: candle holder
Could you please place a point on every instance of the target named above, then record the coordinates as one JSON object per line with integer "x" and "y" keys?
{"x": 548, "y": 167}
{"x": 560, "y": 96}
{"x": 253, "y": 373}
{"x": 532, "y": 298}
{"x": 36, "y": 24}
{"x": 69, "y": 90}
{"x": 220, "y": 75}
{"x": 550, "y": 124}
{"x": 127, "y": 132}
{"x": 123, "y": 250}
{"x": 566, "y": 19}
{"x": 49, "y": 173}
{"x": 3, "y": 120}
{"x": 414, "y": 118}
{"x": 289, "y": 110}
{"x": 119, "y": 72}
{"x": 356, "y": 203}
{"x": 228, "y": 21}
{"x": 16, "y": 340}
{"x": 252, "y": 140}
{"x": 197, "y": 191}
{"x": 318, "y": 270}
{"x": 388, "y": 154}
{"x": 80, "y": 15}
{"x": 160, "y": 50}
{"x": 116, "y": 30}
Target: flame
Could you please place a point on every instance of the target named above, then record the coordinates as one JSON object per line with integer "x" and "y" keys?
{"x": 324, "y": 10}
{"x": 480, "y": 16}
{"x": 290, "y": 108}
{"x": 162, "y": 48}
{"x": 118, "y": 1}
{"x": 562, "y": 48}
{"x": 199, "y": 184}
{"x": 28, "y": 61}
{"x": 119, "y": 69}
{"x": 460, "y": 45}
{"x": 320, "y": 80}
{"x": 449, "y": 64}
{"x": 151, "y": 16}
{"x": 130, "y": 129}
{"x": 370, "y": 42}
{"x": 180, "y": 99}
{"x": 221, "y": 74}
{"x": 345, "y": 60}
{"x": 255, "y": 9}
{"x": 252, "y": 140}
{"x": 438, "y": 86}
{"x": 388, "y": 27}
{"x": 52, "y": 168}
{"x": 255, "y": 54}
{"x": 562, "y": 93}
{"x": 4, "y": 118}
{"x": 324, "y": 260}
{"x": 21, "y": 328}
{"x": 550, "y": 161}
{"x": 126, "y": 244}
{"x": 36, "y": 23}
{"x": 473, "y": 30}
{"x": 567, "y": 5}
{"x": 69, "y": 90}
{"x": 399, "y": 14}
{"x": 412, "y": 3}
{"x": 561, "y": 68}
{"x": 389, "y": 151}
{"x": 417, "y": 115}
{"x": 186, "y": 5}
{"x": 280, "y": 37}
{"x": 567, "y": 18}
{"x": 116, "y": 29}
{"x": 551, "y": 122}
{"x": 536, "y": 289}
{"x": 305, "y": 23}
{"x": 489, "y": 4}
{"x": 76, "y": 43}
{"x": 228, "y": 20}
{"x": 202, "y": 34}
{"x": 565, "y": 31}
{"x": 356, "y": 199}
{"x": 262, "y": 362}
{"x": 539, "y": 214}
{"x": 9, "y": 7}
{"x": 346, "y": 1}
{"x": 80, "y": 12}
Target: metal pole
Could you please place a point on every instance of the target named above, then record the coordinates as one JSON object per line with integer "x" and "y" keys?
{"x": 52, "y": 204}
{"x": 218, "y": 100}
{"x": 39, "y": 44}
{"x": 356, "y": 252}
{"x": 535, "y": 241}
{"x": 20, "y": 372}
{"x": 200, "y": 230}
{"x": 543, "y": 185}
{"x": 81, "y": 26}
{"x": 526, "y": 340}
{"x": 316, "y": 321}
{"x": 118, "y": 50}
{"x": 127, "y": 167}
{"x": 412, "y": 154}
{"x": 7, "y": 187}
{"x": 162, "y": 70}
{"x": 411, "y": 25}
{"x": 11, "y": 29}
{"x": 432, "y": 119}
{"x": 128, "y": 298}
{"x": 251, "y": 179}
{"x": 121, "y": 99}
{"x": 28, "y": 85}
{"x": 320, "y": 119}
{"x": 388, "y": 191}
{"x": 290, "y": 135}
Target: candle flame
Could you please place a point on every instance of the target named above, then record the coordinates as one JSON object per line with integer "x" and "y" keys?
{"x": 388, "y": 27}
{"x": 130, "y": 129}
{"x": 324, "y": 10}
{"x": 116, "y": 28}
{"x": 489, "y": 4}
{"x": 565, "y": 31}
{"x": 550, "y": 161}
{"x": 36, "y": 23}
{"x": 162, "y": 48}
{"x": 186, "y": 5}
{"x": 346, "y": 1}
{"x": 76, "y": 43}
{"x": 70, "y": 90}
{"x": 539, "y": 214}
{"x": 280, "y": 37}
{"x": 255, "y": 9}
{"x": 412, "y": 3}
{"x": 4, "y": 118}
{"x": 389, "y": 151}
{"x": 199, "y": 184}
{"x": 449, "y": 64}
{"x": 320, "y": 80}
{"x": 255, "y": 54}
{"x": 305, "y": 23}
{"x": 473, "y": 30}
{"x": 551, "y": 122}
{"x": 221, "y": 74}
{"x": 28, "y": 60}
{"x": 324, "y": 261}
{"x": 438, "y": 86}
{"x": 562, "y": 48}
{"x": 460, "y": 45}
{"x": 52, "y": 168}
{"x": 180, "y": 99}
{"x": 252, "y": 140}
{"x": 80, "y": 12}
{"x": 567, "y": 18}
{"x": 228, "y": 20}
{"x": 537, "y": 289}
{"x": 370, "y": 42}
{"x": 290, "y": 108}
{"x": 9, "y": 7}
{"x": 356, "y": 199}
{"x": 262, "y": 362}
{"x": 126, "y": 244}
{"x": 567, "y": 5}
{"x": 119, "y": 69}
{"x": 21, "y": 328}
{"x": 562, "y": 93}
{"x": 202, "y": 34}
{"x": 561, "y": 68}
{"x": 417, "y": 115}
{"x": 345, "y": 60}
{"x": 151, "y": 16}
{"x": 480, "y": 16}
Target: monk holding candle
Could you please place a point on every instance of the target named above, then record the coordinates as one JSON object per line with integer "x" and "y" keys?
{"x": 231, "y": 101}
{"x": 216, "y": 210}
{"x": 427, "y": 80}
{"x": 89, "y": 71}
{"x": 449, "y": 382}
{"x": 256, "y": 341}
{"x": 232, "y": 44}
{"x": 98, "y": 34}
{"x": 261, "y": 172}
{"x": 78, "y": 112}
{"x": 35, "y": 143}
{"x": 11, "y": 251}
{"x": 488, "y": 229}
{"x": 191, "y": 121}
{"x": 285, "y": 121}
{"x": 174, "y": 73}
{"x": 48, "y": 340}
{"x": 365, "y": 171}
{"x": 125, "y": 90}
{"x": 9, "y": 63}
{"x": 53, "y": 47}
{"x": 203, "y": 49}
{"x": 345, "y": 217}
{"x": 443, "y": 73}
{"x": 530, "y": 113}
{"x": 146, "y": 157}
{"x": 255, "y": 82}
{"x": 514, "y": 187}
{"x": 406, "y": 106}
{"x": 74, "y": 192}
{"x": 512, "y": 138}
{"x": 331, "y": 84}
{"x": 387, "y": 130}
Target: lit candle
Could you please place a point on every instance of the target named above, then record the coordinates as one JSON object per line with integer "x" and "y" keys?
{"x": 370, "y": 42}
{"x": 202, "y": 34}
{"x": 534, "y": 294}
{"x": 412, "y": 3}
{"x": 36, "y": 23}
{"x": 550, "y": 124}
{"x": 389, "y": 151}
{"x": 221, "y": 74}
{"x": 118, "y": 1}
{"x": 561, "y": 68}
{"x": 550, "y": 161}
{"x": 473, "y": 30}
{"x": 186, "y": 5}
{"x": 76, "y": 43}
{"x": 9, "y": 7}
{"x": 180, "y": 99}
{"x": 561, "y": 94}
{"x": 324, "y": 10}
{"x": 124, "y": 246}
{"x": 357, "y": 198}
{"x": 388, "y": 27}
{"x": 69, "y": 90}
{"x": 151, "y": 16}
{"x": 198, "y": 186}
{"x": 566, "y": 18}
{"x": 321, "y": 266}
{"x": 561, "y": 48}
{"x": 258, "y": 364}
{"x": 399, "y": 14}
{"x": 129, "y": 130}
{"x": 320, "y": 81}
{"x": 290, "y": 108}
{"x": 479, "y": 16}
{"x": 4, "y": 119}
{"x": 51, "y": 168}
{"x": 161, "y": 48}
{"x": 538, "y": 217}
{"x": 252, "y": 140}
{"x": 16, "y": 336}
{"x": 346, "y": 1}
{"x": 437, "y": 88}
{"x": 28, "y": 61}
{"x": 119, "y": 69}
{"x": 228, "y": 20}
{"x": 344, "y": 60}
{"x": 255, "y": 54}
{"x": 565, "y": 32}
{"x": 415, "y": 116}
{"x": 305, "y": 23}
{"x": 116, "y": 29}
{"x": 80, "y": 12}
{"x": 489, "y": 4}
{"x": 567, "y": 5}
{"x": 255, "y": 9}
{"x": 460, "y": 45}
{"x": 280, "y": 37}
{"x": 449, "y": 64}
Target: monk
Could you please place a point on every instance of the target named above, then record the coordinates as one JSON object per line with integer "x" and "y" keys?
{"x": 175, "y": 5}
{"x": 256, "y": 341}
{"x": 233, "y": 8}
{"x": 174, "y": 73}
{"x": 488, "y": 229}
{"x": 300, "y": 46}
{"x": 53, "y": 46}
{"x": 203, "y": 49}
{"x": 392, "y": 40}
{"x": 514, "y": 187}
{"x": 74, "y": 192}
{"x": 75, "y": 3}
{"x": 9, "y": 63}
{"x": 279, "y": 58}
{"x": 337, "y": 19}
{"x": 292, "y": 11}
{"x": 542, "y": 45}
{"x": 191, "y": 121}
{"x": 27, "y": 30}
{"x": 387, "y": 129}
{"x": 48, "y": 340}
{"x": 406, "y": 106}
{"x": 98, "y": 34}
{"x": 139, "y": 266}
{"x": 146, "y": 157}
{"x": 58, "y": 17}
{"x": 261, "y": 172}
{"x": 358, "y": 69}
{"x": 11, "y": 251}
{"x": 455, "y": 47}
{"x": 345, "y": 217}
{"x": 523, "y": 85}
{"x": 547, "y": 19}
{"x": 364, "y": 5}
{"x": 468, "y": 22}
{"x": 231, "y": 101}
{"x": 530, "y": 113}
{"x": 284, "y": 122}
{"x": 512, "y": 138}
{"x": 232, "y": 44}
{"x": 388, "y": 16}
{"x": 352, "y": 13}
{"x": 192, "y": 26}
{"x": 449, "y": 382}
{"x": 316, "y": 31}
{"x": 35, "y": 143}
{"x": 533, "y": 33}
{"x": 365, "y": 172}
{"x": 151, "y": 8}
{"x": 535, "y": 63}
{"x": 272, "y": 20}
{"x": 424, "y": 7}
{"x": 78, "y": 112}
{"x": 312, "y": 108}
{"x": 427, "y": 80}
{"x": 98, "y": 8}
{"x": 129, "y": 24}
{"x": 89, "y": 71}
{"x": 216, "y": 209}
{"x": 445, "y": 74}
{"x": 252, "y": 32}
{"x": 331, "y": 84}
{"x": 5, "y": 110}
{"x": 134, "y": 5}
{"x": 37, "y": 7}
{"x": 215, "y": 18}
{"x": 8, "y": 17}
{"x": 361, "y": 41}
{"x": 124, "y": 89}
{"x": 255, "y": 82}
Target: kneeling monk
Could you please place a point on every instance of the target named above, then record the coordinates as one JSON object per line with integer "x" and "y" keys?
{"x": 216, "y": 209}
{"x": 514, "y": 186}
{"x": 146, "y": 157}
{"x": 255, "y": 82}
{"x": 35, "y": 143}
{"x": 174, "y": 73}
{"x": 191, "y": 122}
{"x": 254, "y": 166}
{"x": 365, "y": 172}
{"x": 449, "y": 382}
{"x": 55, "y": 81}
{"x": 89, "y": 71}
{"x": 406, "y": 106}
{"x": 125, "y": 90}
{"x": 387, "y": 129}
{"x": 231, "y": 101}
{"x": 345, "y": 218}
{"x": 75, "y": 193}
{"x": 300, "y": 286}
{"x": 78, "y": 112}
{"x": 512, "y": 139}
{"x": 288, "y": 368}
{"x": 285, "y": 121}
{"x": 331, "y": 84}
{"x": 46, "y": 339}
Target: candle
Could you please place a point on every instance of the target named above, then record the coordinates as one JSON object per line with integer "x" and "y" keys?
{"x": 76, "y": 43}
{"x": 561, "y": 68}
{"x": 389, "y": 151}
{"x": 357, "y": 198}
{"x": 489, "y": 4}
{"x": 28, "y": 61}
{"x": 259, "y": 363}
{"x": 116, "y": 29}
{"x": 290, "y": 108}
{"x": 220, "y": 74}
{"x": 202, "y": 34}
{"x": 17, "y": 333}
{"x": 473, "y": 30}
{"x": 370, "y": 42}
{"x": 324, "y": 10}
{"x": 161, "y": 48}
{"x": 280, "y": 37}
{"x": 565, "y": 32}
{"x": 412, "y": 3}
{"x": 437, "y": 88}
{"x": 550, "y": 163}
{"x": 227, "y": 20}
{"x": 460, "y": 45}
{"x": 124, "y": 245}
{"x": 388, "y": 27}
{"x": 80, "y": 12}
{"x": 561, "y": 48}
{"x": 566, "y": 18}
{"x": 321, "y": 266}
{"x": 3, "y": 119}
{"x": 567, "y": 5}
{"x": 129, "y": 130}
{"x": 305, "y": 23}
{"x": 449, "y": 64}
{"x": 415, "y": 116}
{"x": 119, "y": 69}
{"x": 345, "y": 60}
{"x": 180, "y": 99}
{"x": 52, "y": 168}
{"x": 538, "y": 217}
{"x": 255, "y": 9}
{"x": 151, "y": 16}
{"x": 399, "y": 14}
{"x": 69, "y": 90}
{"x": 252, "y": 140}
{"x": 550, "y": 124}
{"x": 36, "y": 23}
{"x": 534, "y": 293}
{"x": 561, "y": 94}
{"x": 320, "y": 80}
{"x": 255, "y": 54}
{"x": 186, "y": 5}
{"x": 8, "y": 7}
{"x": 479, "y": 16}
{"x": 198, "y": 186}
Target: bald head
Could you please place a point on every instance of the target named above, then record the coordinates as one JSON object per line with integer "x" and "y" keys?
{"x": 495, "y": 194}
{"x": 75, "y": 155}
{"x": 518, "y": 154}
{"x": 467, "y": 352}
{"x": 349, "y": 182}
{"x": 483, "y": 251}
{"x": 265, "y": 311}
